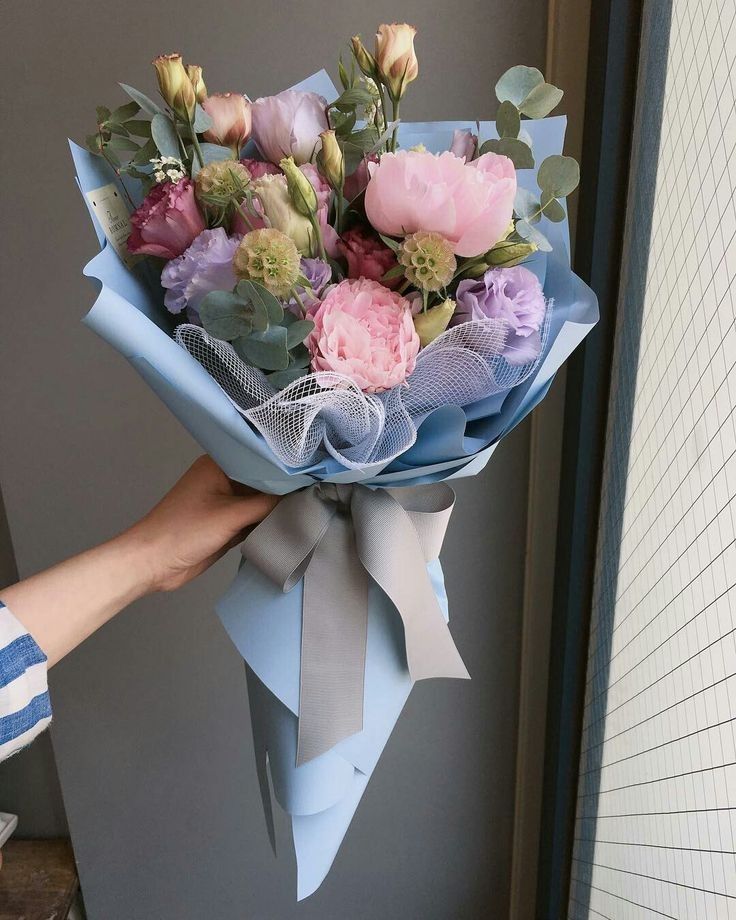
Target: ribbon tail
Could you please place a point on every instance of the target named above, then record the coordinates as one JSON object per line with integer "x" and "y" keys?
{"x": 334, "y": 625}
{"x": 390, "y": 549}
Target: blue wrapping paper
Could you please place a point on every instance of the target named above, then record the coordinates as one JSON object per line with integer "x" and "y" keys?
{"x": 321, "y": 796}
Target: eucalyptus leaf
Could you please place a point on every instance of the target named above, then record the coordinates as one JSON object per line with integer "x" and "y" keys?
{"x": 516, "y": 150}
{"x": 554, "y": 211}
{"x": 525, "y": 203}
{"x": 121, "y": 143}
{"x": 356, "y": 95}
{"x": 93, "y": 143}
{"x": 558, "y": 176}
{"x": 343, "y": 74}
{"x": 266, "y": 350}
{"x": 516, "y": 84}
{"x": 202, "y": 121}
{"x": 508, "y": 122}
{"x": 211, "y": 153}
{"x": 146, "y": 153}
{"x": 532, "y": 235}
{"x": 256, "y": 293}
{"x": 281, "y": 379}
{"x": 541, "y": 100}
{"x": 225, "y": 316}
{"x": 120, "y": 130}
{"x": 139, "y": 127}
{"x": 124, "y": 112}
{"x": 298, "y": 331}
{"x": 148, "y": 105}
{"x": 300, "y": 356}
{"x": 103, "y": 113}
{"x": 164, "y": 136}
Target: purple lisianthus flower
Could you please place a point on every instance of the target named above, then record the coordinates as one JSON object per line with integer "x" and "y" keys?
{"x": 512, "y": 294}
{"x": 207, "y": 265}
{"x": 319, "y": 274}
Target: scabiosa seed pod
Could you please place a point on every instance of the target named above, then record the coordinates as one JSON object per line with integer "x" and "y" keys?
{"x": 221, "y": 182}
{"x": 269, "y": 257}
{"x": 428, "y": 260}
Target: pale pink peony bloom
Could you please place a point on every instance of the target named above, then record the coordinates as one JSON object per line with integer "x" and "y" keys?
{"x": 365, "y": 332}
{"x": 167, "y": 221}
{"x": 470, "y": 204}
{"x": 464, "y": 143}
{"x": 367, "y": 256}
{"x": 289, "y": 124}
{"x": 231, "y": 120}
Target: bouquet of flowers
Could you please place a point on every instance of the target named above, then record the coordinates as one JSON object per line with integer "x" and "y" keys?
{"x": 346, "y": 309}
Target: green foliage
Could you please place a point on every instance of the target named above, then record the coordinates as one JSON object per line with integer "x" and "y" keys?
{"x": 508, "y": 121}
{"x": 517, "y": 151}
{"x": 261, "y": 332}
{"x": 558, "y": 176}
{"x": 164, "y": 136}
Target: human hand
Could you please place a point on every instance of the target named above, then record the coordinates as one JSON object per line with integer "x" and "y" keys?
{"x": 203, "y": 516}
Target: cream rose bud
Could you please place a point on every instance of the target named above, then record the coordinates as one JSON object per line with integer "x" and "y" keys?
{"x": 175, "y": 86}
{"x": 396, "y": 60}
{"x": 273, "y": 195}
{"x": 194, "y": 72}
{"x": 231, "y": 120}
{"x": 331, "y": 161}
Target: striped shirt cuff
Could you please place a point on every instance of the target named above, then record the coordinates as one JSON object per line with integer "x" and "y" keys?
{"x": 25, "y": 708}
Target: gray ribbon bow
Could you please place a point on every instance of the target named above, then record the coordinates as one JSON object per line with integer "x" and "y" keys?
{"x": 336, "y": 537}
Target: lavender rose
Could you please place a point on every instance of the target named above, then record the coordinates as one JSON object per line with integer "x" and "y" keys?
{"x": 207, "y": 265}
{"x": 289, "y": 124}
{"x": 319, "y": 275}
{"x": 511, "y": 294}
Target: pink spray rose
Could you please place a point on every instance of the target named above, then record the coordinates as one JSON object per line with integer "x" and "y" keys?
{"x": 167, "y": 221}
{"x": 231, "y": 120}
{"x": 258, "y": 168}
{"x": 366, "y": 332}
{"x": 464, "y": 143}
{"x": 357, "y": 181}
{"x": 289, "y": 124}
{"x": 470, "y": 204}
{"x": 367, "y": 255}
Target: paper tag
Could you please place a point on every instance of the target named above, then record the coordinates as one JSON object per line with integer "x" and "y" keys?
{"x": 111, "y": 211}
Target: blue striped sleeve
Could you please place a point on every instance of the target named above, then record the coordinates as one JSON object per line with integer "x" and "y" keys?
{"x": 25, "y": 708}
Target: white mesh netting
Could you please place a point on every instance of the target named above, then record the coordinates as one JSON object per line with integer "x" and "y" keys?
{"x": 326, "y": 413}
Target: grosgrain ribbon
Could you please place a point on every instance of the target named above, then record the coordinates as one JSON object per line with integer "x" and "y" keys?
{"x": 336, "y": 537}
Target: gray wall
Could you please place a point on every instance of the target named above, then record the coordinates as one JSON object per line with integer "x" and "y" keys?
{"x": 151, "y": 727}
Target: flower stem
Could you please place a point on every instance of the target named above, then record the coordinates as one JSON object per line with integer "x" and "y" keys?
{"x": 243, "y": 214}
{"x": 195, "y": 142}
{"x": 318, "y": 237}
{"x": 297, "y": 298}
{"x": 396, "y": 103}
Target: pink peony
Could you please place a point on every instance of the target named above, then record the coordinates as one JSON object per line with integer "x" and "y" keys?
{"x": 366, "y": 332}
{"x": 470, "y": 204}
{"x": 167, "y": 221}
{"x": 289, "y": 124}
{"x": 367, "y": 256}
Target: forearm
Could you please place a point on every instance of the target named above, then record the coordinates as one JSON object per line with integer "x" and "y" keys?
{"x": 63, "y": 605}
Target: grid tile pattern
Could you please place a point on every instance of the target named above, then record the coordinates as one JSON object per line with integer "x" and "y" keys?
{"x": 656, "y": 812}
